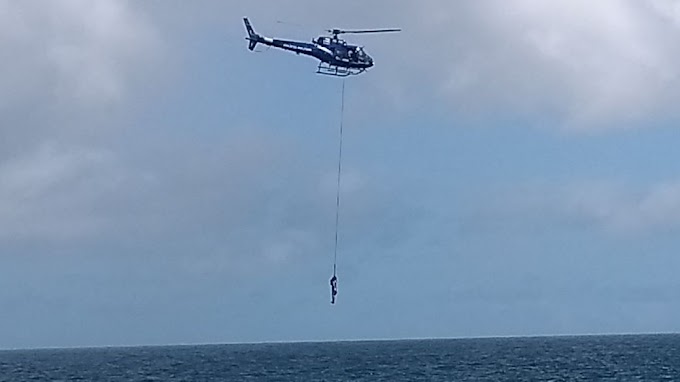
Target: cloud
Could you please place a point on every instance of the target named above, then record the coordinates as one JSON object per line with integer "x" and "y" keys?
{"x": 612, "y": 208}
{"x": 610, "y": 64}
{"x": 624, "y": 210}
{"x": 70, "y": 67}
{"x": 70, "y": 50}
{"x": 49, "y": 194}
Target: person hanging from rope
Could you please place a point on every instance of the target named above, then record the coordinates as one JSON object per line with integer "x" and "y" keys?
{"x": 334, "y": 288}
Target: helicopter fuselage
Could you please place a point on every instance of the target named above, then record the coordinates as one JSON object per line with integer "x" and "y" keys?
{"x": 334, "y": 52}
{"x": 336, "y": 56}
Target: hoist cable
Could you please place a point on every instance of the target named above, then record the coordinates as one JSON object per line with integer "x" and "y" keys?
{"x": 337, "y": 198}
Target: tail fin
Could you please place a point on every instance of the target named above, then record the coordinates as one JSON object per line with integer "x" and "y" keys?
{"x": 253, "y": 37}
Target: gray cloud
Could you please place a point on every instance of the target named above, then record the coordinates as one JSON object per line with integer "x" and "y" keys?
{"x": 47, "y": 193}
{"x": 622, "y": 209}
{"x": 610, "y": 64}
{"x": 69, "y": 74}
{"x": 613, "y": 208}
{"x": 70, "y": 51}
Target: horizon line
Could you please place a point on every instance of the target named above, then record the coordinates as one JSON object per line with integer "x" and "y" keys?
{"x": 331, "y": 341}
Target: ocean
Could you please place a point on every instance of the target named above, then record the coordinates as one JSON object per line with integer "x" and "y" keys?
{"x": 591, "y": 358}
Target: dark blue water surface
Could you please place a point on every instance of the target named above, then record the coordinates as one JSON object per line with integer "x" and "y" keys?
{"x": 610, "y": 358}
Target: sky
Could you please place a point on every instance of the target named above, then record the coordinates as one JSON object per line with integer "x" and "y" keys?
{"x": 510, "y": 169}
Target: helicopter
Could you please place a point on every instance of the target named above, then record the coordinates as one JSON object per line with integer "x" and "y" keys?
{"x": 337, "y": 58}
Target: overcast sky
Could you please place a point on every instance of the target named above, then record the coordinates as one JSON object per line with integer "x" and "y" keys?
{"x": 511, "y": 168}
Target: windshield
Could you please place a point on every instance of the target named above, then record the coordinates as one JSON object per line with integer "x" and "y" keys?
{"x": 361, "y": 55}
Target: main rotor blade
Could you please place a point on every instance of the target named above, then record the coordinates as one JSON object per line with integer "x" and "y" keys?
{"x": 339, "y": 31}
{"x": 374, "y": 31}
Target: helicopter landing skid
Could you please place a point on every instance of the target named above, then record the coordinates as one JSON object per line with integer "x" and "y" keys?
{"x": 338, "y": 71}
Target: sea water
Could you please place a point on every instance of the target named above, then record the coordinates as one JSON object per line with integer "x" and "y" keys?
{"x": 594, "y": 358}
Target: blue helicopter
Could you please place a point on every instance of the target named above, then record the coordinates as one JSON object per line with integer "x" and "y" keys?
{"x": 337, "y": 58}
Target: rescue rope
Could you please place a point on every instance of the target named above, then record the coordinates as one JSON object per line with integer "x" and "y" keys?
{"x": 337, "y": 198}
